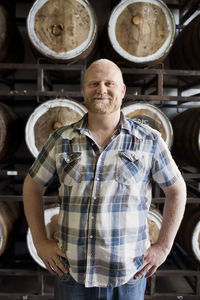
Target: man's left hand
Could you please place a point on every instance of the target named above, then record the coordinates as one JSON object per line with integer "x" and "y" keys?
{"x": 153, "y": 258}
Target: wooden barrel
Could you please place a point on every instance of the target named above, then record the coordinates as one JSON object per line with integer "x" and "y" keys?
{"x": 49, "y": 116}
{"x": 185, "y": 51}
{"x": 9, "y": 132}
{"x": 51, "y": 224}
{"x": 186, "y": 128}
{"x": 189, "y": 232}
{"x": 154, "y": 222}
{"x": 9, "y": 214}
{"x": 140, "y": 33}
{"x": 151, "y": 115}
{"x": 62, "y": 30}
{"x": 11, "y": 44}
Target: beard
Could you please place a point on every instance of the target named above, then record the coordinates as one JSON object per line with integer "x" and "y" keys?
{"x": 102, "y": 106}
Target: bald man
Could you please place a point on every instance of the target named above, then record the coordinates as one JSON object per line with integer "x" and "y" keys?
{"x": 105, "y": 164}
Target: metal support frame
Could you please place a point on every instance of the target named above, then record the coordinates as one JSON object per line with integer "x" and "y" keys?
{"x": 43, "y": 88}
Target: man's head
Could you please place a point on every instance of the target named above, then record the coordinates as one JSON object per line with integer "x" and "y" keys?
{"x": 103, "y": 87}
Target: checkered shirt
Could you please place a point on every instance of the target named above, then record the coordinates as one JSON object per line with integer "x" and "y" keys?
{"x": 105, "y": 197}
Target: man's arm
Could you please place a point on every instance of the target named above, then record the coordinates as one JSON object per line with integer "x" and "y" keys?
{"x": 173, "y": 212}
{"x": 34, "y": 211}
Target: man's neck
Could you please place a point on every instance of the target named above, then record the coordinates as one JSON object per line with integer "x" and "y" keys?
{"x": 103, "y": 126}
{"x": 103, "y": 122}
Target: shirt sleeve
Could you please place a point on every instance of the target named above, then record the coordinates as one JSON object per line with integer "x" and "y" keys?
{"x": 164, "y": 169}
{"x": 44, "y": 167}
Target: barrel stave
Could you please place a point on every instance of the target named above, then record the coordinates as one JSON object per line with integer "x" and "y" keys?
{"x": 185, "y": 51}
{"x": 186, "y": 136}
{"x": 9, "y": 214}
{"x": 9, "y": 132}
{"x": 11, "y": 43}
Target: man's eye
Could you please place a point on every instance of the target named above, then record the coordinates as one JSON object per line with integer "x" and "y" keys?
{"x": 93, "y": 84}
{"x": 110, "y": 83}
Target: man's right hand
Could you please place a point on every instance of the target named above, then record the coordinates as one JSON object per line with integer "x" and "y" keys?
{"x": 50, "y": 253}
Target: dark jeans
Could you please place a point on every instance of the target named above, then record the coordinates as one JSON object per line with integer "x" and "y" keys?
{"x": 71, "y": 290}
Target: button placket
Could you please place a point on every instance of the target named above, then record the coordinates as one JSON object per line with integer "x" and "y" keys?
{"x": 92, "y": 221}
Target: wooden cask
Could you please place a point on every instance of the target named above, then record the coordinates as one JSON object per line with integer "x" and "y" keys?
{"x": 9, "y": 214}
{"x": 185, "y": 51}
{"x": 189, "y": 232}
{"x": 139, "y": 33}
{"x": 11, "y": 43}
{"x": 62, "y": 31}
{"x": 150, "y": 115}
{"x": 9, "y": 132}
{"x": 51, "y": 224}
{"x": 186, "y": 126}
{"x": 49, "y": 116}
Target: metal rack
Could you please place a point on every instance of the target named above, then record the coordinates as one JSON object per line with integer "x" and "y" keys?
{"x": 40, "y": 93}
{"x": 39, "y": 85}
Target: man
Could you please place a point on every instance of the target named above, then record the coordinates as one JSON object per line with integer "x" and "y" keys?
{"x": 105, "y": 164}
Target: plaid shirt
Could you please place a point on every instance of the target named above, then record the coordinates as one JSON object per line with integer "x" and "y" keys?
{"x": 105, "y": 197}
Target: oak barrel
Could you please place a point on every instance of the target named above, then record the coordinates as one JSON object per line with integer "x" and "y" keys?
{"x": 151, "y": 115}
{"x": 154, "y": 222}
{"x": 11, "y": 43}
{"x": 9, "y": 132}
{"x": 62, "y": 30}
{"x": 185, "y": 51}
{"x": 51, "y": 224}
{"x": 49, "y": 116}
{"x": 139, "y": 33}
{"x": 189, "y": 232}
{"x": 186, "y": 126}
{"x": 9, "y": 214}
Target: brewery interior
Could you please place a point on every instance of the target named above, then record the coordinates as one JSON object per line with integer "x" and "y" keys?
{"x": 38, "y": 89}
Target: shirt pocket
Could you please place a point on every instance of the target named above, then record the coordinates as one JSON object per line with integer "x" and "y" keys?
{"x": 129, "y": 168}
{"x": 70, "y": 168}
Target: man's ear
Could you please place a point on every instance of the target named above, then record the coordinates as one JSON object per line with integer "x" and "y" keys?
{"x": 123, "y": 90}
{"x": 82, "y": 91}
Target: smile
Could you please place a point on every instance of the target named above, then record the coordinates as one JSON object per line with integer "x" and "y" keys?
{"x": 101, "y": 99}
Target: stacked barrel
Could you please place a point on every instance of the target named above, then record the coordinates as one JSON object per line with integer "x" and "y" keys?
{"x": 138, "y": 34}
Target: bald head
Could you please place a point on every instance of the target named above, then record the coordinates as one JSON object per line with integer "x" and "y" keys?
{"x": 105, "y": 64}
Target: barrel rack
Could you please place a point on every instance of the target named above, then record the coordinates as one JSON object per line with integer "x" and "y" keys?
{"x": 33, "y": 83}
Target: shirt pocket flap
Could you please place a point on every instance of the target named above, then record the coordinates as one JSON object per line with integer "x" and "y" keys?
{"x": 129, "y": 167}
{"x": 70, "y": 167}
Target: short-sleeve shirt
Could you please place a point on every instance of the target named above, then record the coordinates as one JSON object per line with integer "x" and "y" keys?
{"x": 105, "y": 196}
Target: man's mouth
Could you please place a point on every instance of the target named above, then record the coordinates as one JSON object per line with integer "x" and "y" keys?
{"x": 101, "y": 98}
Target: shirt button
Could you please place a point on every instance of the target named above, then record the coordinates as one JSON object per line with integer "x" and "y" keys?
{"x": 91, "y": 236}
{"x": 92, "y": 217}
{"x": 97, "y": 179}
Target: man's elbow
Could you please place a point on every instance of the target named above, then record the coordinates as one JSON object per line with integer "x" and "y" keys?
{"x": 32, "y": 186}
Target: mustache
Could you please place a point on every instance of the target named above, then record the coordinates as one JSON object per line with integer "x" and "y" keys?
{"x": 99, "y": 97}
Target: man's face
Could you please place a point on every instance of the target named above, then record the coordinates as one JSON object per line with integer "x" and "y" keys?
{"x": 103, "y": 88}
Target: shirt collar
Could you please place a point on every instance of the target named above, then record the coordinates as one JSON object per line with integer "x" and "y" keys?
{"x": 130, "y": 126}
{"x": 125, "y": 124}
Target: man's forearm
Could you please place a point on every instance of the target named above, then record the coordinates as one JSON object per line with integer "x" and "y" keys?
{"x": 172, "y": 214}
{"x": 34, "y": 210}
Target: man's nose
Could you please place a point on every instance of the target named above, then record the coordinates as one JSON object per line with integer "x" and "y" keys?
{"x": 101, "y": 88}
